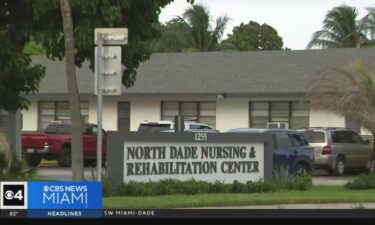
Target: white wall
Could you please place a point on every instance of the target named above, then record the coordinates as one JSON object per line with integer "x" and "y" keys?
{"x": 109, "y": 112}
{"x": 320, "y": 118}
{"x": 30, "y": 117}
{"x": 143, "y": 108}
{"x": 232, "y": 113}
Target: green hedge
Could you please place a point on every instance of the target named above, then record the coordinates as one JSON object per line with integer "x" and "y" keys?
{"x": 191, "y": 187}
{"x": 363, "y": 181}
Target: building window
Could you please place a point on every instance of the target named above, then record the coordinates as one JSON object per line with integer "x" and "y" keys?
{"x": 296, "y": 114}
{"x": 3, "y": 120}
{"x": 202, "y": 112}
{"x": 49, "y": 111}
{"x": 259, "y": 115}
{"x": 300, "y": 115}
{"x": 123, "y": 122}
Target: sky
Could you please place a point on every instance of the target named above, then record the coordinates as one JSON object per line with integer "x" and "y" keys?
{"x": 295, "y": 20}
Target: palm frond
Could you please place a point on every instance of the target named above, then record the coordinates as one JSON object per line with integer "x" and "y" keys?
{"x": 348, "y": 92}
{"x": 340, "y": 29}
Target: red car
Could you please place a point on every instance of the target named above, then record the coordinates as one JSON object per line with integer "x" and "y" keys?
{"x": 55, "y": 143}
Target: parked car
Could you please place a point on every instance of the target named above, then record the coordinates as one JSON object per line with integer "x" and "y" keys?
{"x": 55, "y": 143}
{"x": 338, "y": 149}
{"x": 168, "y": 126}
{"x": 291, "y": 150}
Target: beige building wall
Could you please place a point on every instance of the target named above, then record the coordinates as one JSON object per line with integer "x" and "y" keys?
{"x": 232, "y": 113}
{"x": 143, "y": 108}
{"x": 109, "y": 112}
{"x": 30, "y": 117}
{"x": 326, "y": 119}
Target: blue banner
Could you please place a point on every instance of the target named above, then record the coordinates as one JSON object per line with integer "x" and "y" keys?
{"x": 64, "y": 195}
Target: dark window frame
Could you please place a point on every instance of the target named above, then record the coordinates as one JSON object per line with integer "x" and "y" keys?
{"x": 198, "y": 110}
{"x": 269, "y": 116}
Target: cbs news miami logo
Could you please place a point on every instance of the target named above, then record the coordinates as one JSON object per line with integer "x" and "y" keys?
{"x": 51, "y": 195}
{"x": 13, "y": 195}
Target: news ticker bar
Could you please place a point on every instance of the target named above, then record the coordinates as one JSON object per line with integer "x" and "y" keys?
{"x": 194, "y": 213}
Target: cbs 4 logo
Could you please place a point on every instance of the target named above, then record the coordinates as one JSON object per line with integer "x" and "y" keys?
{"x": 13, "y": 195}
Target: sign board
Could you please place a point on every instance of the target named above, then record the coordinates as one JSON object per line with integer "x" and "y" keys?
{"x": 112, "y": 36}
{"x": 224, "y": 162}
{"x": 110, "y": 78}
{"x": 224, "y": 157}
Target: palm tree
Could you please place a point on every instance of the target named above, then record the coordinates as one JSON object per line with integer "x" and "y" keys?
{"x": 169, "y": 39}
{"x": 197, "y": 31}
{"x": 351, "y": 93}
{"x": 341, "y": 29}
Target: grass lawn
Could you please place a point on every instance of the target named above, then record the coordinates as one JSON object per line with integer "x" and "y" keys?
{"x": 318, "y": 194}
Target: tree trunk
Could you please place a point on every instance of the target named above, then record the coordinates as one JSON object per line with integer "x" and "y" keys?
{"x": 373, "y": 152}
{"x": 5, "y": 150}
{"x": 74, "y": 102}
{"x": 14, "y": 134}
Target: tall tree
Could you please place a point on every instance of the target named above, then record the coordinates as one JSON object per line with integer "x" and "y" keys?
{"x": 253, "y": 37}
{"x": 193, "y": 31}
{"x": 347, "y": 92}
{"x": 341, "y": 29}
{"x": 74, "y": 103}
{"x": 18, "y": 76}
{"x": 140, "y": 17}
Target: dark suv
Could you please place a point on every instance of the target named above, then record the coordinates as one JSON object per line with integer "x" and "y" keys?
{"x": 291, "y": 150}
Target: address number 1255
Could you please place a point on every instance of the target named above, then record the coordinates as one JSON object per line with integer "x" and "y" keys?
{"x": 201, "y": 136}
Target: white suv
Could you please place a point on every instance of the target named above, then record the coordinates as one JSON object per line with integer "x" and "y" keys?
{"x": 168, "y": 126}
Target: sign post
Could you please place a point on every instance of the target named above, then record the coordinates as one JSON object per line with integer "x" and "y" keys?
{"x": 108, "y": 73}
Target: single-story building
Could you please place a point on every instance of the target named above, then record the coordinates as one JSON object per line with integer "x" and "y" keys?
{"x": 223, "y": 89}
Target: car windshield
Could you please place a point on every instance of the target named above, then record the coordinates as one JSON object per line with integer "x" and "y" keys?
{"x": 314, "y": 136}
{"x": 153, "y": 127}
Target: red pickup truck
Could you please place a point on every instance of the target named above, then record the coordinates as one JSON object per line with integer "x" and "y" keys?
{"x": 55, "y": 143}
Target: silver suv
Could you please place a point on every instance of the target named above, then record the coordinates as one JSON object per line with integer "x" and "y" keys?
{"x": 168, "y": 126}
{"x": 337, "y": 149}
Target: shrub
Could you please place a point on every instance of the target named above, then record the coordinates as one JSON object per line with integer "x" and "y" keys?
{"x": 363, "y": 181}
{"x": 192, "y": 186}
{"x": 282, "y": 173}
{"x": 173, "y": 186}
{"x": 168, "y": 187}
{"x": 219, "y": 187}
{"x": 303, "y": 183}
{"x": 134, "y": 189}
{"x": 267, "y": 186}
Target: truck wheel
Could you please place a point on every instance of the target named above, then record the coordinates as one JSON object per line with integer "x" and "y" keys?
{"x": 32, "y": 160}
{"x": 339, "y": 169}
{"x": 65, "y": 157}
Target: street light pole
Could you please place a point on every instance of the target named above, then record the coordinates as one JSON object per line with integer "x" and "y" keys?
{"x": 100, "y": 107}
{"x": 108, "y": 75}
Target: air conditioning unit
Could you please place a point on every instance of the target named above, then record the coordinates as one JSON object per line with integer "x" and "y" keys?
{"x": 280, "y": 125}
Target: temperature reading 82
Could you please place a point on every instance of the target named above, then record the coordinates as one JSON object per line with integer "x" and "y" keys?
{"x": 201, "y": 136}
